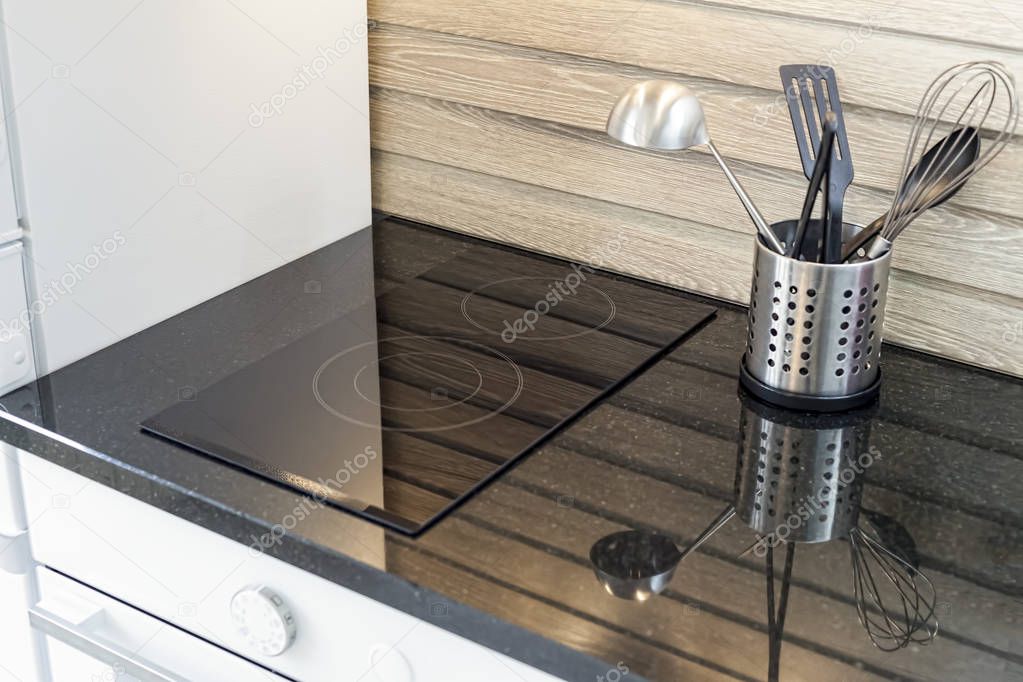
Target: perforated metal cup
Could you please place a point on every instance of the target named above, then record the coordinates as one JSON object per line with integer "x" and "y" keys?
{"x": 799, "y": 476}
{"x": 814, "y": 337}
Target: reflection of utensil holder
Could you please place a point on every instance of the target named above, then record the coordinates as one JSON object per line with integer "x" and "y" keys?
{"x": 814, "y": 338}
{"x": 799, "y": 476}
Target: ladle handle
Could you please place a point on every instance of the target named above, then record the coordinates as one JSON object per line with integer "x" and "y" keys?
{"x": 714, "y": 527}
{"x": 765, "y": 231}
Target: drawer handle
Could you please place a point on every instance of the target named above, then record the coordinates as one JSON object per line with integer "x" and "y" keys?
{"x": 91, "y": 645}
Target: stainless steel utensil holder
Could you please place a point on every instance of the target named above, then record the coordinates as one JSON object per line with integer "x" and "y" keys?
{"x": 799, "y": 476}
{"x": 814, "y": 338}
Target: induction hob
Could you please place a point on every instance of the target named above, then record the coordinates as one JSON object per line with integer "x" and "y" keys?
{"x": 417, "y": 396}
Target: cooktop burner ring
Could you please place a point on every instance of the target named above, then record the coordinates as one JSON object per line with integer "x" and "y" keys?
{"x": 478, "y": 347}
{"x": 475, "y": 391}
{"x": 613, "y": 309}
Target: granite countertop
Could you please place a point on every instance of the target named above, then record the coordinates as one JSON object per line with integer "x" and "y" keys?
{"x": 665, "y": 455}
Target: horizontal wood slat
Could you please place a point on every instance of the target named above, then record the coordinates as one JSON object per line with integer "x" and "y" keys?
{"x": 966, "y": 247}
{"x": 966, "y": 324}
{"x": 878, "y": 68}
{"x": 993, "y": 22}
{"x": 747, "y": 123}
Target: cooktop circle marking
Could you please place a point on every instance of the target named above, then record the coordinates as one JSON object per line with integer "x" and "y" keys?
{"x": 519, "y": 384}
{"x": 476, "y": 389}
{"x": 613, "y": 309}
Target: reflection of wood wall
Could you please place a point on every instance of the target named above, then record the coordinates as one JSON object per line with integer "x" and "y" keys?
{"x": 518, "y": 550}
{"x": 487, "y": 118}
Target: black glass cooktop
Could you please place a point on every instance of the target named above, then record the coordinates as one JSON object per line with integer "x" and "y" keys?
{"x": 414, "y": 397}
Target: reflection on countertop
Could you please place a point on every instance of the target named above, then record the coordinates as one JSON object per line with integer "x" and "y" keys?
{"x": 665, "y": 456}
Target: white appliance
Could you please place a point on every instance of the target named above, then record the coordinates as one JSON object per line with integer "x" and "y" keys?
{"x": 17, "y": 360}
{"x": 166, "y": 151}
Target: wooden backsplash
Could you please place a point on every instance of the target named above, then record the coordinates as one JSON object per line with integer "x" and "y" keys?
{"x": 488, "y": 116}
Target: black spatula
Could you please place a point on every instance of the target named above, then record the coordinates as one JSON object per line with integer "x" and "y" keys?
{"x": 807, "y": 113}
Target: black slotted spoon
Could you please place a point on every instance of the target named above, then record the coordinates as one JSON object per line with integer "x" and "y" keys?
{"x": 807, "y": 120}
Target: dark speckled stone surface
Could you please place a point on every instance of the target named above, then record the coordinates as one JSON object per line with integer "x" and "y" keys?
{"x": 663, "y": 456}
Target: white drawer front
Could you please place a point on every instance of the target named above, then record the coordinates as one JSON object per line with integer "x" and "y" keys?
{"x": 188, "y": 575}
{"x": 90, "y": 637}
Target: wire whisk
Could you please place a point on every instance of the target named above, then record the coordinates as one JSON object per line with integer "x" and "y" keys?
{"x": 894, "y": 600}
{"x": 962, "y": 101}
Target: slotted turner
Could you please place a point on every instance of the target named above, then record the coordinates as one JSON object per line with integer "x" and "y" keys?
{"x": 807, "y": 113}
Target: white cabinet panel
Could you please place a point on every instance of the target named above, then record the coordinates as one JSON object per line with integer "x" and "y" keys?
{"x": 9, "y": 229}
{"x": 16, "y": 357}
{"x": 172, "y": 149}
{"x": 89, "y": 636}
{"x": 19, "y": 658}
{"x": 188, "y": 576}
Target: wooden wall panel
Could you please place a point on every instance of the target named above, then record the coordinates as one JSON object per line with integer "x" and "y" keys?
{"x": 589, "y": 164}
{"x": 880, "y": 68}
{"x": 488, "y": 115}
{"x": 520, "y": 80}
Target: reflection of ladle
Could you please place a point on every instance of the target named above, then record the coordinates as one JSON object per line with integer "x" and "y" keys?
{"x": 637, "y": 564}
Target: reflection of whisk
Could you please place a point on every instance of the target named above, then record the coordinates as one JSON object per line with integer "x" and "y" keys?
{"x": 894, "y": 600}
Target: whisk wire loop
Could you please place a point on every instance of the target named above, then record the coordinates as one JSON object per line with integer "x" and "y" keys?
{"x": 890, "y": 626}
{"x": 966, "y": 98}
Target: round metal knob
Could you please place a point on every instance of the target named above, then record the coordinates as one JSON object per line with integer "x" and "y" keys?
{"x": 263, "y": 620}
